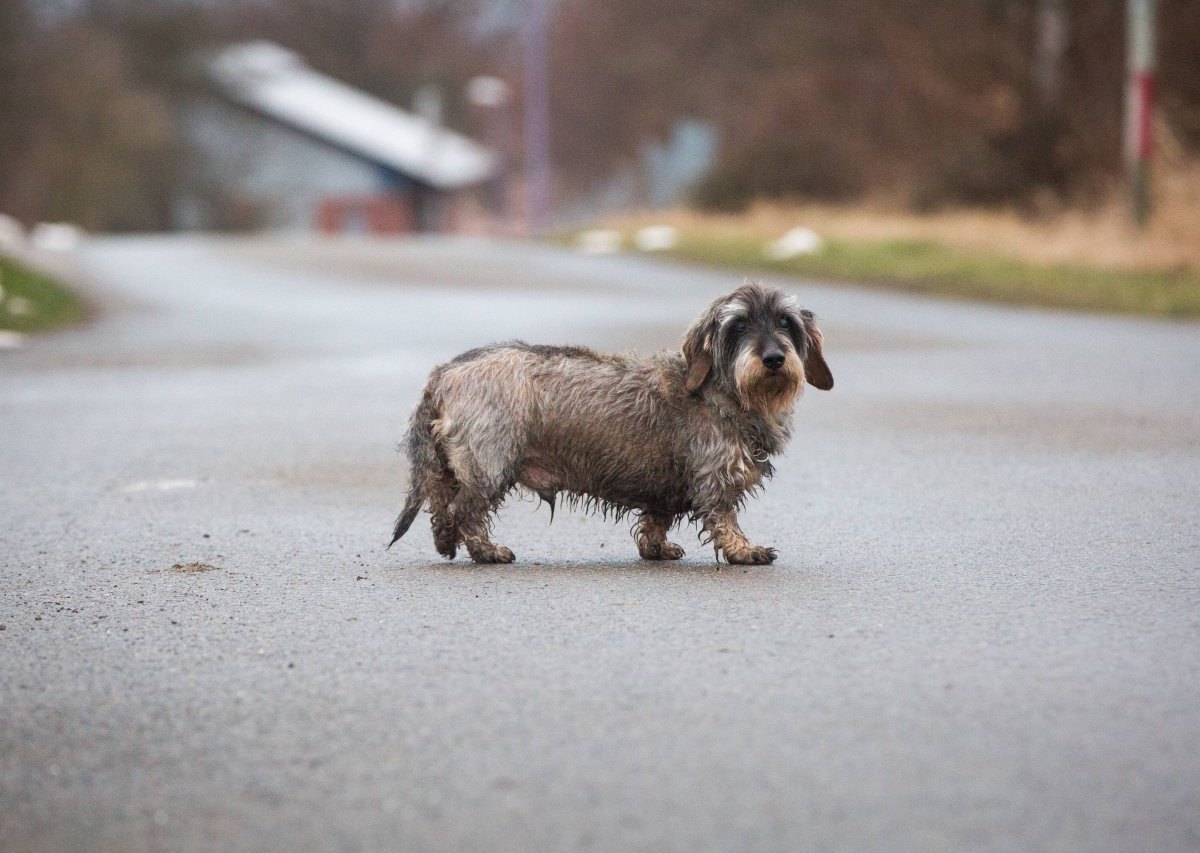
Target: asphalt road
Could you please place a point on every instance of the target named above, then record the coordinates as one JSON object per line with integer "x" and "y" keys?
{"x": 983, "y": 631}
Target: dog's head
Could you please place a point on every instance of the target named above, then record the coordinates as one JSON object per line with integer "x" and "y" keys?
{"x": 760, "y": 345}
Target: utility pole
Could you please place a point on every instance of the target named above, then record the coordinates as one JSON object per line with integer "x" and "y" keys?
{"x": 537, "y": 115}
{"x": 1139, "y": 104}
{"x": 494, "y": 97}
{"x": 1049, "y": 50}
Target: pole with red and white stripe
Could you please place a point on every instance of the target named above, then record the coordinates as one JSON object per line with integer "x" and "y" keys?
{"x": 1139, "y": 104}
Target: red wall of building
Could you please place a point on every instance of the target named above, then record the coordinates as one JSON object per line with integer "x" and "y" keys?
{"x": 380, "y": 214}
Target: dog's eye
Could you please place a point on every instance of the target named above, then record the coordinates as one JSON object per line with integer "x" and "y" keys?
{"x": 785, "y": 322}
{"x": 739, "y": 326}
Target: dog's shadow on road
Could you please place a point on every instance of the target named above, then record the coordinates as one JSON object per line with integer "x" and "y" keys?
{"x": 588, "y": 568}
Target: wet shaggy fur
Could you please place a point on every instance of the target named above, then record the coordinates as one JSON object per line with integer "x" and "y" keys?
{"x": 678, "y": 434}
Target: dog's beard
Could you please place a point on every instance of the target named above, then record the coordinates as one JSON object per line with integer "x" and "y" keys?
{"x": 770, "y": 392}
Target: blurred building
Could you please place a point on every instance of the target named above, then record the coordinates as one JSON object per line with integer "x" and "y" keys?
{"x": 664, "y": 174}
{"x": 278, "y": 145}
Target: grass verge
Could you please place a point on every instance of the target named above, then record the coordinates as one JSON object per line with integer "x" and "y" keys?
{"x": 924, "y": 267}
{"x": 31, "y": 301}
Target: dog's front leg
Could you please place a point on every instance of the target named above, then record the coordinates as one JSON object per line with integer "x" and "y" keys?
{"x": 727, "y": 537}
{"x": 651, "y": 537}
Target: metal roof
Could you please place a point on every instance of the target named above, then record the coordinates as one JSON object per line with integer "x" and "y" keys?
{"x": 275, "y": 82}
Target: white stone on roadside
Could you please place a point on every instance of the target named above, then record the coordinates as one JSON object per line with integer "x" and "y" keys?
{"x": 12, "y": 235}
{"x": 158, "y": 486}
{"x": 656, "y": 238}
{"x": 11, "y": 340}
{"x": 56, "y": 236}
{"x": 18, "y": 306}
{"x": 599, "y": 241}
{"x": 798, "y": 241}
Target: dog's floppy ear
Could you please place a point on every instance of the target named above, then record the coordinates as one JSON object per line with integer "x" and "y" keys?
{"x": 697, "y": 346}
{"x": 816, "y": 371}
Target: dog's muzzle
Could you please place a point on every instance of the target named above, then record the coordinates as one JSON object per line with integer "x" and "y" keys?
{"x": 773, "y": 359}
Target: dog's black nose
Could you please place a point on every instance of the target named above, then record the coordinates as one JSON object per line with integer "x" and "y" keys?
{"x": 773, "y": 360}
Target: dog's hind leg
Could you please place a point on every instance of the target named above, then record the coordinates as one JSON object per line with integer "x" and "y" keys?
{"x": 651, "y": 537}
{"x": 479, "y": 494}
{"x": 472, "y": 513}
{"x": 441, "y": 491}
{"x": 483, "y": 435}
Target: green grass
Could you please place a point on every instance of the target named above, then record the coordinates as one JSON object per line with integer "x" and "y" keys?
{"x": 922, "y": 267}
{"x": 34, "y": 302}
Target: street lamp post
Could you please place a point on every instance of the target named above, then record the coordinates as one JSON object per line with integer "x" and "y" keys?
{"x": 494, "y": 97}
{"x": 537, "y": 115}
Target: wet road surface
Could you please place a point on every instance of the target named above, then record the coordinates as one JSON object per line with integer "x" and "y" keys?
{"x": 983, "y": 631}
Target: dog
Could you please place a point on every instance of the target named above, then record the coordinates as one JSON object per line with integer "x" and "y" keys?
{"x": 679, "y": 434}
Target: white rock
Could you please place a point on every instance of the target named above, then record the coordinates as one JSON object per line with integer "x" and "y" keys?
{"x": 159, "y": 485}
{"x": 656, "y": 238}
{"x": 18, "y": 306}
{"x": 599, "y": 241}
{"x": 12, "y": 235}
{"x": 56, "y": 236}
{"x": 798, "y": 241}
{"x": 11, "y": 340}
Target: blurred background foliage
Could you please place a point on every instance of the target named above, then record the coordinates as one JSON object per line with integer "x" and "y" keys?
{"x": 928, "y": 103}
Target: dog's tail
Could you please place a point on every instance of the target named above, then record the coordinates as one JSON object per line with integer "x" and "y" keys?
{"x": 422, "y": 460}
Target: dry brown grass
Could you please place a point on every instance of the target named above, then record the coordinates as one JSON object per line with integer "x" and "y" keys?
{"x": 1102, "y": 238}
{"x": 1091, "y": 260}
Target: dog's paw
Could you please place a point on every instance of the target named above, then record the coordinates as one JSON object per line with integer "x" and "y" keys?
{"x": 755, "y": 555}
{"x": 493, "y": 554}
{"x": 660, "y": 551}
{"x": 671, "y": 551}
{"x": 500, "y": 554}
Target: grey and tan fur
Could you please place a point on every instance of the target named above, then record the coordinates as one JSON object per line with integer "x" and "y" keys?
{"x": 676, "y": 434}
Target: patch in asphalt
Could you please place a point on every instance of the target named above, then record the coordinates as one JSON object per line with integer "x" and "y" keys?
{"x": 188, "y": 568}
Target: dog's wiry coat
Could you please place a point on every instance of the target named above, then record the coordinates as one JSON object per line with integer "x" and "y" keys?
{"x": 676, "y": 434}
